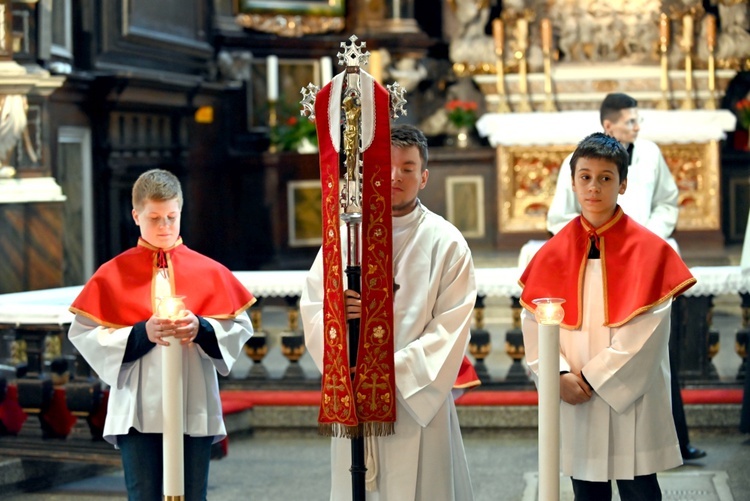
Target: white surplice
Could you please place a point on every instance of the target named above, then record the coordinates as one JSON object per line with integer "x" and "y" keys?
{"x": 136, "y": 387}
{"x": 650, "y": 198}
{"x": 424, "y": 460}
{"x": 626, "y": 428}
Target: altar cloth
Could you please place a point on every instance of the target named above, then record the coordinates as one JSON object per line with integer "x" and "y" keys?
{"x": 570, "y": 127}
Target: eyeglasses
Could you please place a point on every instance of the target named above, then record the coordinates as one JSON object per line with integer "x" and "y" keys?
{"x": 633, "y": 122}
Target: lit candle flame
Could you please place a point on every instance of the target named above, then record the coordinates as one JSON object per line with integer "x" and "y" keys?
{"x": 549, "y": 311}
{"x": 170, "y": 307}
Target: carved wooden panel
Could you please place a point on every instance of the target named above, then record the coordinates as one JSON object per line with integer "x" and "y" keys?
{"x": 31, "y": 246}
{"x": 165, "y": 36}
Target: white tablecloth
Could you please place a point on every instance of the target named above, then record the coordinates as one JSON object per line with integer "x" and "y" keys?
{"x": 569, "y": 127}
{"x": 50, "y": 306}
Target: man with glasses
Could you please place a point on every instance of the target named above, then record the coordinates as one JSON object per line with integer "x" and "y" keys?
{"x": 651, "y": 200}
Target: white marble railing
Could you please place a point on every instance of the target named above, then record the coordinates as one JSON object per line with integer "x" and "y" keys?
{"x": 50, "y": 306}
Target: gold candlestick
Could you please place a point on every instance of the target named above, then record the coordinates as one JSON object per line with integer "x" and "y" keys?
{"x": 272, "y": 122}
{"x": 522, "y": 32}
{"x": 710, "y": 103}
{"x": 687, "y": 46}
{"x": 663, "y": 103}
{"x": 498, "y": 34}
{"x": 546, "y": 29}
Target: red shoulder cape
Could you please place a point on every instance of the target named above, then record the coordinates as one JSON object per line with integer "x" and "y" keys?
{"x": 640, "y": 270}
{"x": 121, "y": 292}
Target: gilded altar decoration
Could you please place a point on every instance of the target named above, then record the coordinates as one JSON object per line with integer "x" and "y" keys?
{"x": 292, "y": 19}
{"x": 527, "y": 179}
{"x": 693, "y": 167}
{"x": 528, "y": 176}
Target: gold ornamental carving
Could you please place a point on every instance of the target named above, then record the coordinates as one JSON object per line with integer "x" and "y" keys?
{"x": 695, "y": 168}
{"x": 527, "y": 177}
{"x": 290, "y": 26}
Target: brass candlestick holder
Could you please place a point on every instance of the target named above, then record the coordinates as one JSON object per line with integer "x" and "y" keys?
{"x": 272, "y": 123}
{"x": 687, "y": 46}
{"x": 710, "y": 103}
{"x": 663, "y": 103}
{"x": 498, "y": 33}
{"x": 546, "y": 28}
{"x": 522, "y": 35}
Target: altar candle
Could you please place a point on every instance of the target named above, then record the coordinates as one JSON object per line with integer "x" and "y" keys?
{"x": 376, "y": 65}
{"x": 325, "y": 70}
{"x": 710, "y": 32}
{"x": 687, "y": 30}
{"x": 498, "y": 33}
{"x": 523, "y": 33}
{"x": 664, "y": 30}
{"x": 272, "y": 70}
{"x": 173, "y": 469}
{"x": 546, "y": 27}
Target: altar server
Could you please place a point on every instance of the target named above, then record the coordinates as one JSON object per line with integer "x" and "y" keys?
{"x": 434, "y": 298}
{"x": 651, "y": 200}
{"x": 118, "y": 333}
{"x": 618, "y": 280}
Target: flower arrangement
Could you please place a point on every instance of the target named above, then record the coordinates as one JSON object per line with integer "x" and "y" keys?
{"x": 293, "y": 133}
{"x": 743, "y": 112}
{"x": 461, "y": 114}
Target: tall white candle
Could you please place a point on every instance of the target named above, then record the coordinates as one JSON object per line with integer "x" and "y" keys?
{"x": 549, "y": 411}
{"x": 396, "y": 9}
{"x": 173, "y": 453}
{"x": 173, "y": 467}
{"x": 549, "y": 313}
{"x": 272, "y": 75}
{"x": 325, "y": 70}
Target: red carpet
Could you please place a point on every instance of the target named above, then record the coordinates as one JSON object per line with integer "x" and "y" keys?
{"x": 236, "y": 401}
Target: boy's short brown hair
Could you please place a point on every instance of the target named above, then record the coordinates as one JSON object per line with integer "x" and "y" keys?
{"x": 157, "y": 185}
{"x": 405, "y": 135}
{"x": 603, "y": 147}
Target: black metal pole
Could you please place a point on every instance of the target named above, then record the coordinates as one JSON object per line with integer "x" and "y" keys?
{"x": 358, "y": 469}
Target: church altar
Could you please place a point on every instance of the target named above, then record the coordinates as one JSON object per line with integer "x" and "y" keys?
{"x": 532, "y": 146}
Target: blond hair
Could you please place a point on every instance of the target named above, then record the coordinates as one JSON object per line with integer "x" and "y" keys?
{"x": 157, "y": 185}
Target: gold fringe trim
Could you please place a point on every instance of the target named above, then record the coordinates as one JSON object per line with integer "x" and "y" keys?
{"x": 364, "y": 430}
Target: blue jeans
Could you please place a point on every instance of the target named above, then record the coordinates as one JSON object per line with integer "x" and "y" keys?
{"x": 142, "y": 462}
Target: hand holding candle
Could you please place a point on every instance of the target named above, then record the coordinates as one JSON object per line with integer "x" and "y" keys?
{"x": 170, "y": 307}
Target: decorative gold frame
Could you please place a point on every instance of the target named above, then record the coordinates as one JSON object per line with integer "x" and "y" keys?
{"x": 292, "y": 18}
{"x": 299, "y": 7}
{"x": 695, "y": 168}
{"x": 304, "y": 216}
{"x": 527, "y": 176}
{"x": 464, "y": 198}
